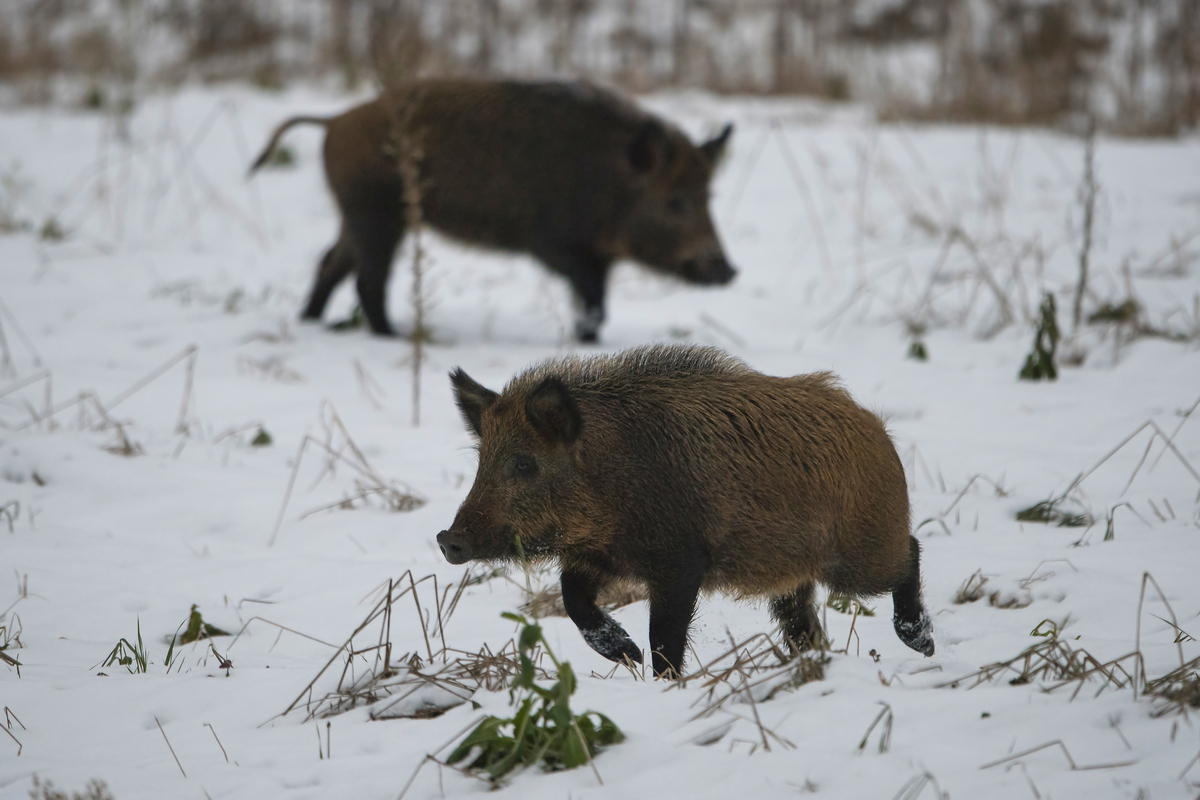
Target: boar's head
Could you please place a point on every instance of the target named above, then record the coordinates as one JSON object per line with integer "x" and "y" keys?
{"x": 526, "y": 473}
{"x": 667, "y": 226}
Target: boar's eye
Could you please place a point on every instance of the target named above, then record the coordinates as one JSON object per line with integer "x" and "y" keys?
{"x": 522, "y": 467}
{"x": 677, "y": 204}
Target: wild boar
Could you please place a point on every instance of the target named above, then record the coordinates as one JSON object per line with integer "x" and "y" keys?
{"x": 684, "y": 469}
{"x": 570, "y": 173}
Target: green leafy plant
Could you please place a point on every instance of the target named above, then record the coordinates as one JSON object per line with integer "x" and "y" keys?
{"x": 129, "y": 656}
{"x": 355, "y": 321}
{"x": 198, "y": 629}
{"x": 845, "y": 604}
{"x": 1039, "y": 365}
{"x": 543, "y": 730}
{"x": 1047, "y": 512}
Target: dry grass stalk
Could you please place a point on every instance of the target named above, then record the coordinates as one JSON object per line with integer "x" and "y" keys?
{"x": 915, "y": 785}
{"x": 1066, "y": 753}
{"x": 368, "y": 385}
{"x": 1148, "y": 579}
{"x": 1047, "y": 508}
{"x": 172, "y": 749}
{"x": 9, "y": 717}
{"x": 1088, "y": 190}
{"x": 972, "y": 589}
{"x": 413, "y": 685}
{"x": 408, "y": 150}
{"x": 810, "y": 206}
{"x": 214, "y": 733}
{"x": 1177, "y": 691}
{"x": 340, "y": 448}
{"x": 1055, "y": 662}
{"x": 885, "y": 733}
{"x": 759, "y": 670}
{"x": 12, "y": 320}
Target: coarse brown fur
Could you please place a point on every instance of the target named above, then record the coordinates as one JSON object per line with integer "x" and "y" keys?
{"x": 682, "y": 468}
{"x": 570, "y": 173}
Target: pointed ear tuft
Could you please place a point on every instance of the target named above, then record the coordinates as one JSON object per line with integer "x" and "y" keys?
{"x": 472, "y": 400}
{"x": 714, "y": 148}
{"x": 553, "y": 413}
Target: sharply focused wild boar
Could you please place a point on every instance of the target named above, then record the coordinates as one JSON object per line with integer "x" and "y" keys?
{"x": 570, "y": 173}
{"x": 684, "y": 469}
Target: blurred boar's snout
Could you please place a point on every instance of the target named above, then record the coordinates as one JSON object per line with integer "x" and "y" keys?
{"x": 454, "y": 546}
{"x": 712, "y": 270}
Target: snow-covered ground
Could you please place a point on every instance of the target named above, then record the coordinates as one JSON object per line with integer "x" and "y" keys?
{"x": 848, "y": 236}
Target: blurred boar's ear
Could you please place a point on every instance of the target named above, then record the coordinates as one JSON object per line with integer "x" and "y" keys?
{"x": 552, "y": 412}
{"x": 650, "y": 148}
{"x": 472, "y": 399}
{"x": 714, "y": 148}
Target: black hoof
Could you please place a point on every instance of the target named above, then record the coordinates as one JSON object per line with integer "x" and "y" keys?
{"x": 917, "y": 634}
{"x": 611, "y": 641}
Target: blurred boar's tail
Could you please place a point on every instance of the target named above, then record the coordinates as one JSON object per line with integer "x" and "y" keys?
{"x": 279, "y": 132}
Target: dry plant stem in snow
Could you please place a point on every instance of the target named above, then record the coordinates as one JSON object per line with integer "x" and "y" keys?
{"x": 1087, "y": 196}
{"x": 409, "y": 151}
{"x": 398, "y": 497}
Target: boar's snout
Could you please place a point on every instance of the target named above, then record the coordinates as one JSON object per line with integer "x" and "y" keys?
{"x": 711, "y": 270}
{"x": 454, "y": 546}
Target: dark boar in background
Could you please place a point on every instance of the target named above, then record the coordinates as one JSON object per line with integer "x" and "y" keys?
{"x": 684, "y": 469}
{"x": 570, "y": 173}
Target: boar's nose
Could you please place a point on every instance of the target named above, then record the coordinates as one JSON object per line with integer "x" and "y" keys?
{"x": 454, "y": 546}
{"x": 712, "y": 270}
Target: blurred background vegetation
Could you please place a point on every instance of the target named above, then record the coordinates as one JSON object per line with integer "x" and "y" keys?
{"x": 1132, "y": 65}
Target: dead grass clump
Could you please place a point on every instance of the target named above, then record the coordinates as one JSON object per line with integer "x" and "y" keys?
{"x": 411, "y": 685}
{"x": 44, "y": 790}
{"x": 1054, "y": 663}
{"x": 340, "y": 449}
{"x": 971, "y": 589}
{"x": 10, "y": 639}
{"x": 1048, "y": 511}
{"x": 1177, "y": 691}
{"x": 548, "y": 602}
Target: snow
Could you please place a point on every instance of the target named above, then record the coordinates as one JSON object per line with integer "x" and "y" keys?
{"x": 838, "y": 227}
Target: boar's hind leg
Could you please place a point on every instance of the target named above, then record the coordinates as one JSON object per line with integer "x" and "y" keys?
{"x": 376, "y": 231}
{"x": 672, "y": 605}
{"x": 797, "y": 618}
{"x": 909, "y": 619}
{"x": 602, "y": 633}
{"x": 336, "y": 264}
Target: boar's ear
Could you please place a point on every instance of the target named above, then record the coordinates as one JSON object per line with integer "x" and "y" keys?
{"x": 651, "y": 148}
{"x": 714, "y": 148}
{"x": 552, "y": 412}
{"x": 472, "y": 399}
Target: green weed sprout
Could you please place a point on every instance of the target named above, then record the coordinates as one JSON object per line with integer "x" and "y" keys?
{"x": 543, "y": 730}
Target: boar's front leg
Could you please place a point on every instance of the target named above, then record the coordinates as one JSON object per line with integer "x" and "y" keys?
{"x": 602, "y": 633}
{"x": 588, "y": 274}
{"x": 673, "y": 596}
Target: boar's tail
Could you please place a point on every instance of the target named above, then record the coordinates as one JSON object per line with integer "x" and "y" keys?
{"x": 278, "y": 134}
